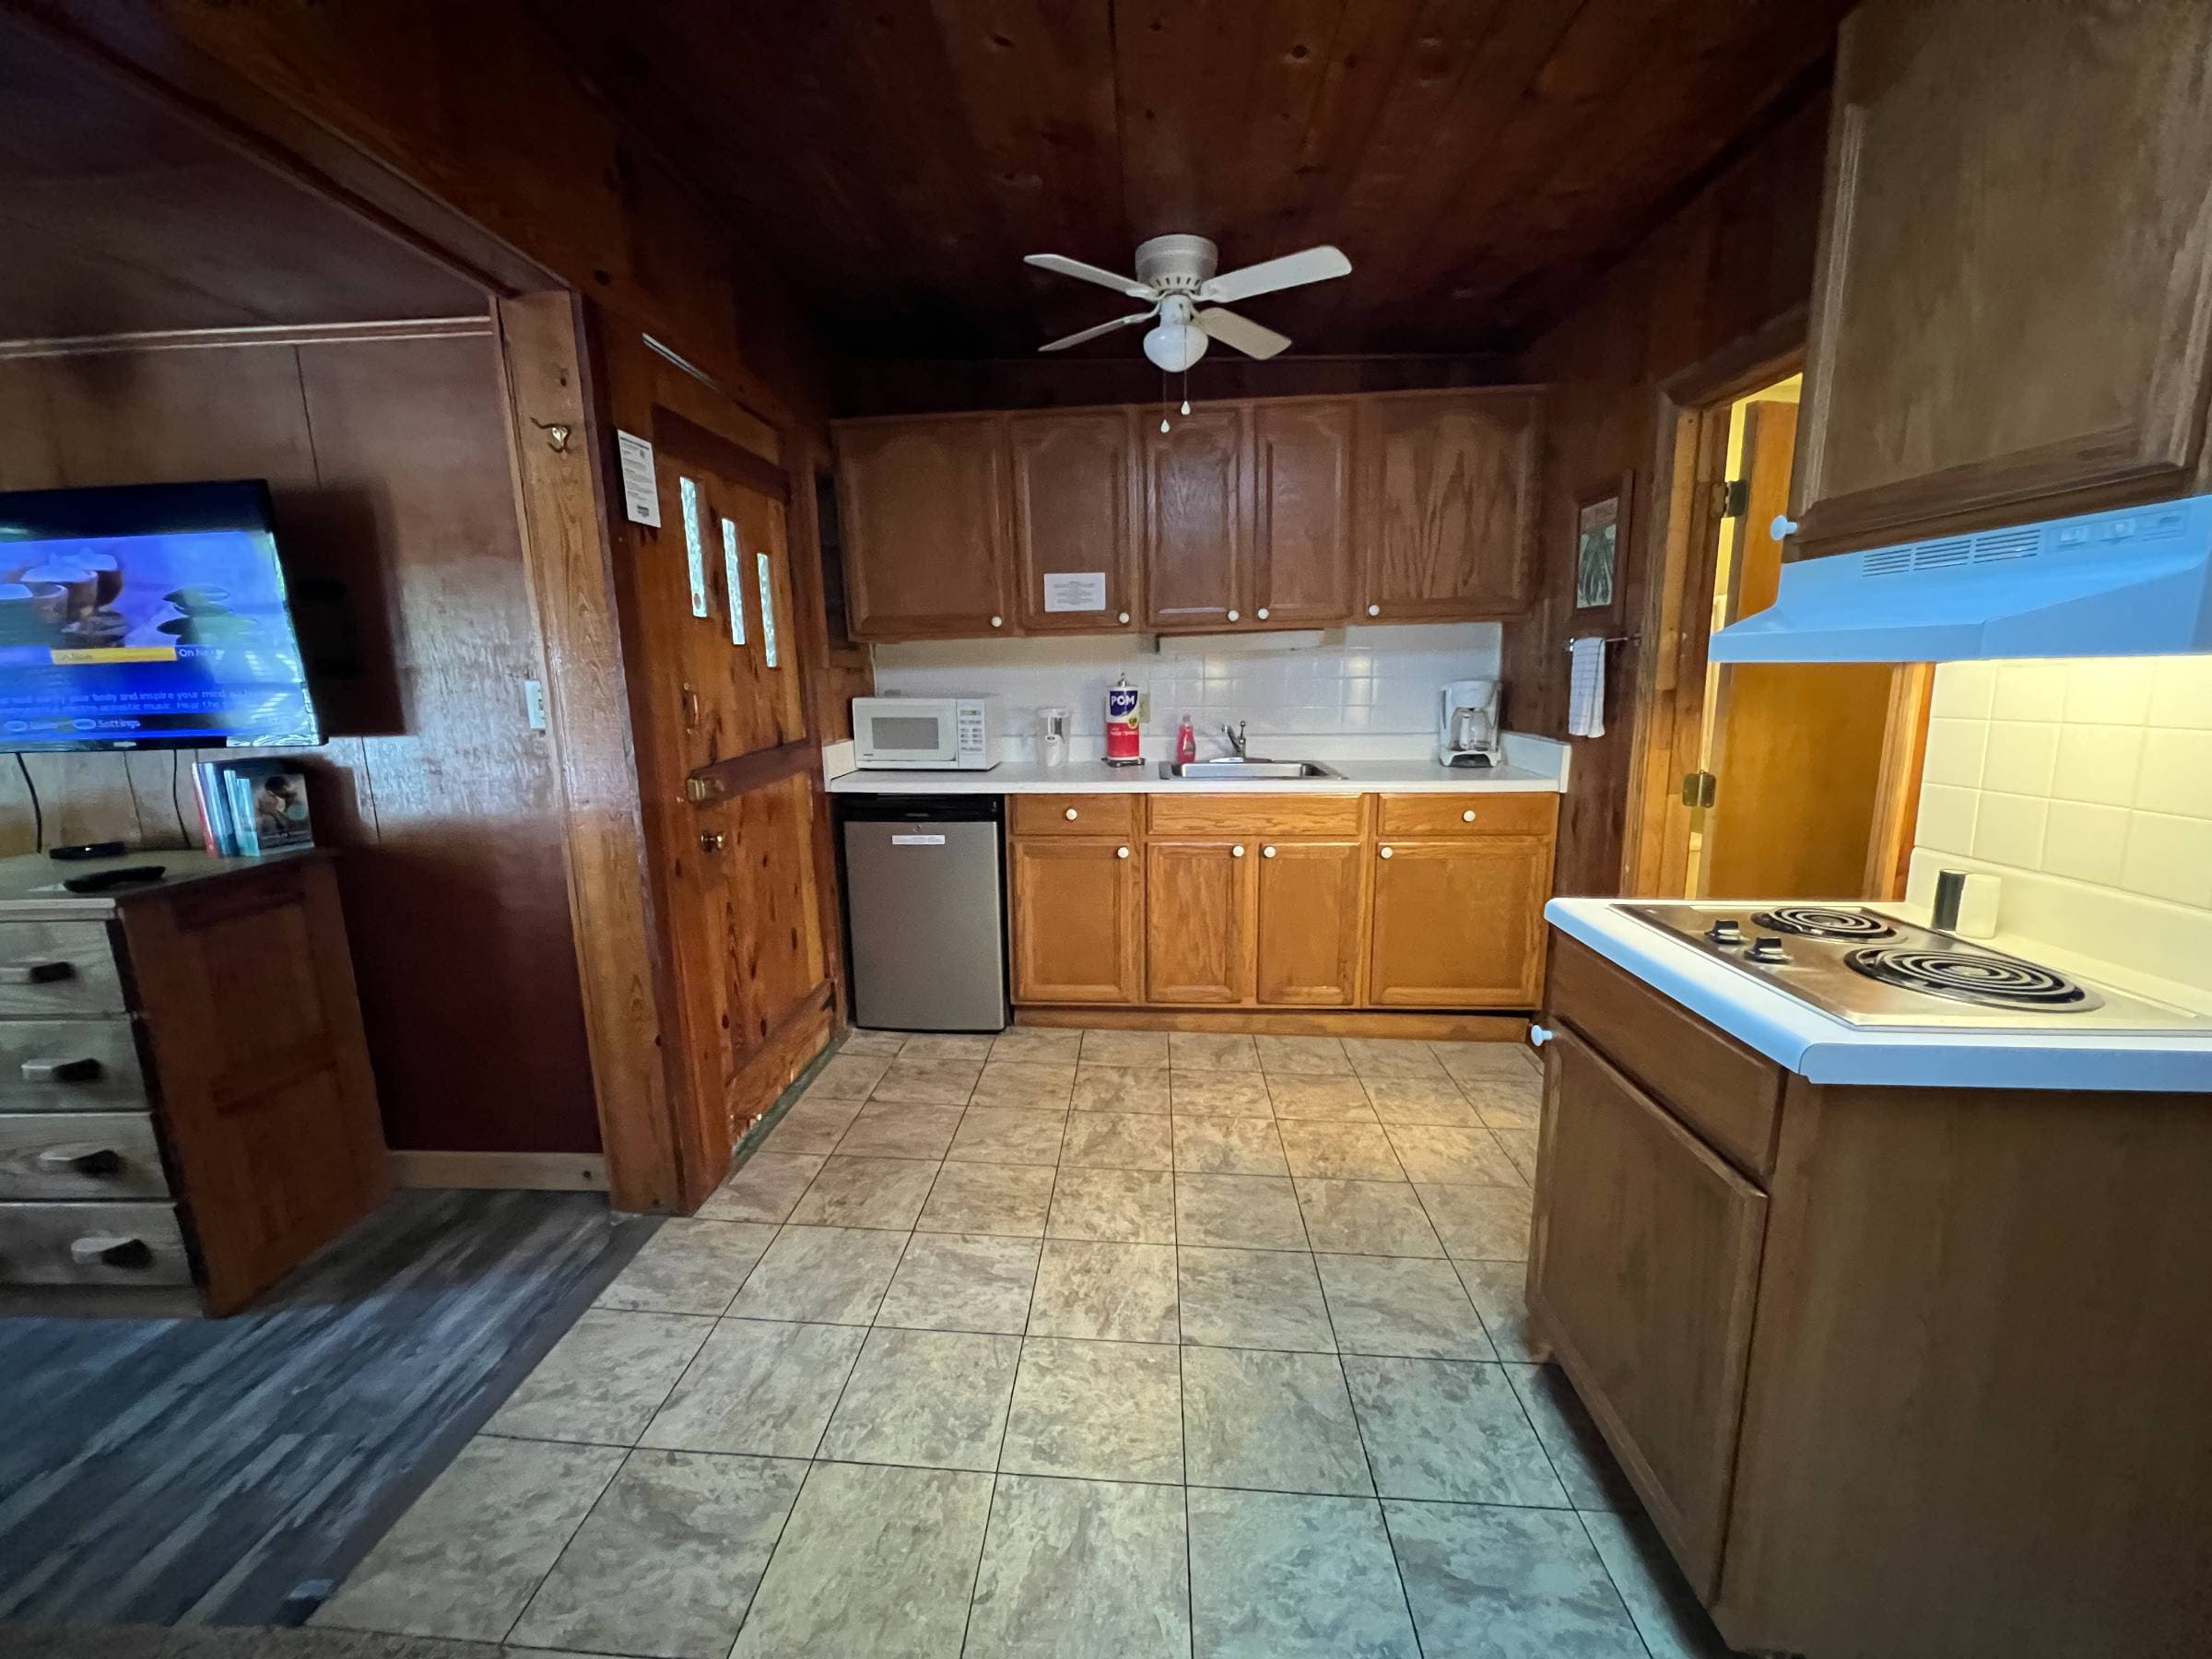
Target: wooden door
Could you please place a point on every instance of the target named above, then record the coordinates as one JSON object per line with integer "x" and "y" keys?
{"x": 1198, "y": 920}
{"x": 1311, "y": 923}
{"x": 1078, "y": 920}
{"x": 1798, "y": 749}
{"x": 1447, "y": 500}
{"x": 1459, "y": 923}
{"x": 1301, "y": 519}
{"x": 922, "y": 507}
{"x": 1197, "y": 521}
{"x": 2013, "y": 300}
{"x": 1074, "y": 480}
{"x": 1643, "y": 1270}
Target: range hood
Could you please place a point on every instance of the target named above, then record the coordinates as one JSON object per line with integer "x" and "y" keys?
{"x": 2135, "y": 582}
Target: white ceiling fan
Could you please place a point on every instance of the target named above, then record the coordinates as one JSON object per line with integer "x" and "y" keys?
{"x": 1175, "y": 275}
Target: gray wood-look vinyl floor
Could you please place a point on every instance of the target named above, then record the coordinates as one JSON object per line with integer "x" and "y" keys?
{"x": 157, "y": 1471}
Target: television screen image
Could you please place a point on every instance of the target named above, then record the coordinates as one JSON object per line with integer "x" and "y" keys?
{"x": 146, "y": 616}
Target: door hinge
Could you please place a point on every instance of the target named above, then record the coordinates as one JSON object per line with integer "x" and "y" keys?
{"x": 1699, "y": 788}
{"x": 1731, "y": 499}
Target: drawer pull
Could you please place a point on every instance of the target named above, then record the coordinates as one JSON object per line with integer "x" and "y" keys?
{"x": 35, "y": 973}
{"x": 106, "y": 1250}
{"x": 98, "y": 1160}
{"x": 82, "y": 1070}
{"x": 1468, "y": 817}
{"x": 1070, "y": 815}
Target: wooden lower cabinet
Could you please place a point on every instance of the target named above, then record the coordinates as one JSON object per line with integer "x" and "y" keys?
{"x": 1311, "y": 925}
{"x": 1078, "y": 926}
{"x": 1459, "y": 923}
{"x": 1198, "y": 922}
{"x": 1646, "y": 1282}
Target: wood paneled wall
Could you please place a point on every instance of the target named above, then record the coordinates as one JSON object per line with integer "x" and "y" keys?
{"x": 389, "y": 464}
{"x": 1738, "y": 256}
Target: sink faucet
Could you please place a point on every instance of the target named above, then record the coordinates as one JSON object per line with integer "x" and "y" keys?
{"x": 1236, "y": 738}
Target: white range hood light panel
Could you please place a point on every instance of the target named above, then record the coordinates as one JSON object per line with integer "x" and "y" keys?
{"x": 2135, "y": 582}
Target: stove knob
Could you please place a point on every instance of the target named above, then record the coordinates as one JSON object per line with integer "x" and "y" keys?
{"x": 1767, "y": 948}
{"x": 1726, "y": 933}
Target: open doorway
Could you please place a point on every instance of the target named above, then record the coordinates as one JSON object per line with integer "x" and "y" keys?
{"x": 1758, "y": 780}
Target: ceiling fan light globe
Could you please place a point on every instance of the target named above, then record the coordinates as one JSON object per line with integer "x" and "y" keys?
{"x": 1174, "y": 346}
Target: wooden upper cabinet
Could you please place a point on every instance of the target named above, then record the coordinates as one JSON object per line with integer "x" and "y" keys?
{"x": 1301, "y": 519}
{"x": 1197, "y": 521}
{"x": 1074, "y": 515}
{"x": 1446, "y": 497}
{"x": 922, "y": 506}
{"x": 2014, "y": 292}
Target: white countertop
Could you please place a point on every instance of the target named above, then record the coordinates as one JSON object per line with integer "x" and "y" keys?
{"x": 1825, "y": 1049}
{"x": 1095, "y": 777}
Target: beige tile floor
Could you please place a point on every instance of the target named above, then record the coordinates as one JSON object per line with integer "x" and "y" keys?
{"x": 1070, "y": 1344}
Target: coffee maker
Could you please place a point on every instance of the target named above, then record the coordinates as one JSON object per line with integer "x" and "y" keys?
{"x": 1468, "y": 731}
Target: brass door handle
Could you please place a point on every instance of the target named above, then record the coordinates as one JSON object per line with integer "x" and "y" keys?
{"x": 711, "y": 840}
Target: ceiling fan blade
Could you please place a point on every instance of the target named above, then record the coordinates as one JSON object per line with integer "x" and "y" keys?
{"x": 1240, "y": 333}
{"x": 1313, "y": 265}
{"x": 1090, "y": 273}
{"x": 1103, "y": 328}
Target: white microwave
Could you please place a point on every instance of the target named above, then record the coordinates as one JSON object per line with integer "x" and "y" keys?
{"x": 938, "y": 733}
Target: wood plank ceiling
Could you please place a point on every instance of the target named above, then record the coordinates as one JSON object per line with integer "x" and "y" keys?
{"x": 1477, "y": 159}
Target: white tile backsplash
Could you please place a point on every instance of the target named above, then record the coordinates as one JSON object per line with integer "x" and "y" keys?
{"x": 1357, "y": 691}
{"x": 2093, "y": 777}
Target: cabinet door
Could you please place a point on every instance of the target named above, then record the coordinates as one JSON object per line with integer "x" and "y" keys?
{"x": 1447, "y": 500}
{"x": 1459, "y": 923}
{"x": 1311, "y": 923}
{"x": 1643, "y": 1268}
{"x": 1198, "y": 902}
{"x": 1074, "y": 478}
{"x": 922, "y": 507}
{"x": 1197, "y": 521}
{"x": 1302, "y": 513}
{"x": 2014, "y": 292}
{"x": 1078, "y": 922}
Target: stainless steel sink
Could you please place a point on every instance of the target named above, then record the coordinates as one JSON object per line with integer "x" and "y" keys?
{"x": 1242, "y": 769}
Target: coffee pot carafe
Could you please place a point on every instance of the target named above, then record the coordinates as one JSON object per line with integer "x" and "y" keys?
{"x": 1467, "y": 728}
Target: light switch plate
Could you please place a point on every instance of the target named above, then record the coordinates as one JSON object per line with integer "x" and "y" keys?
{"x": 533, "y": 703}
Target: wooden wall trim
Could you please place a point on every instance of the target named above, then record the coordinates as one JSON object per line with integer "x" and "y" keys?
{"x": 572, "y": 586}
{"x": 530, "y": 1171}
{"x": 1504, "y": 388}
{"x": 271, "y": 334}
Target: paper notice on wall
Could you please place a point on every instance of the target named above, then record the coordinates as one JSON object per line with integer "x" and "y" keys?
{"x": 1075, "y": 590}
{"x": 641, "y": 491}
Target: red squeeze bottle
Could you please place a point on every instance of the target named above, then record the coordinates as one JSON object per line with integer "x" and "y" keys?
{"x": 1186, "y": 741}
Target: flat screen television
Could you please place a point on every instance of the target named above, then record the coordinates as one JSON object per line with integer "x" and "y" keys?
{"x": 146, "y": 616}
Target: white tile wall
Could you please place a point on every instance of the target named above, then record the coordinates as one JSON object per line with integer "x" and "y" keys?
{"x": 1359, "y": 691}
{"x": 2092, "y": 775}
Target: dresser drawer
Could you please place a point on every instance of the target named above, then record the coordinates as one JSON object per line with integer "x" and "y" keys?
{"x": 80, "y": 1155}
{"x": 70, "y": 1066}
{"x": 93, "y": 1245}
{"x": 1077, "y": 814}
{"x": 58, "y": 968}
{"x": 1264, "y": 815}
{"x": 1414, "y": 817}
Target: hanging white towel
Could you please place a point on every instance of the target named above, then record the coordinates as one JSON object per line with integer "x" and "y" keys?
{"x": 1586, "y": 687}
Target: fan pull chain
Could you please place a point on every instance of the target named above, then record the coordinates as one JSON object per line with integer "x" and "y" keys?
{"x": 1163, "y": 400}
{"x": 1186, "y": 391}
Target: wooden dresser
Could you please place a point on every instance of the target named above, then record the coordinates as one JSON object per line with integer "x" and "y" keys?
{"x": 186, "y": 1107}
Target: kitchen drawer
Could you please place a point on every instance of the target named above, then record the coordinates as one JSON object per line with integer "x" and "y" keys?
{"x": 1077, "y": 814}
{"x": 93, "y": 1245}
{"x": 57, "y": 967}
{"x": 70, "y": 1066}
{"x": 1260, "y": 815}
{"x": 80, "y": 1155}
{"x": 1723, "y": 1091}
{"x": 1411, "y": 817}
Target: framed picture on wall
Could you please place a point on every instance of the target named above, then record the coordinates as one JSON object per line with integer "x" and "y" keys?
{"x": 1601, "y": 526}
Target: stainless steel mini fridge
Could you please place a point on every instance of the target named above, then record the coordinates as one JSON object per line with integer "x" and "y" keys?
{"x": 925, "y": 911}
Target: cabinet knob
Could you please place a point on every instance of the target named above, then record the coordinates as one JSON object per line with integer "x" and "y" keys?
{"x": 1232, "y": 616}
{"x": 1071, "y": 815}
{"x": 1261, "y": 613}
{"x": 1784, "y": 527}
{"x": 1539, "y": 1035}
{"x": 1121, "y": 852}
{"x": 998, "y": 621}
{"x": 1468, "y": 817}
{"x": 1236, "y": 852}
{"x": 1386, "y": 851}
{"x": 711, "y": 840}
{"x": 1267, "y": 851}
{"x": 1374, "y": 610}
{"x": 1125, "y": 616}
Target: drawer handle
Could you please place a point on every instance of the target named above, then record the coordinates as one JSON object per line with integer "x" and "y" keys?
{"x": 1267, "y": 851}
{"x": 1261, "y": 613}
{"x": 1121, "y": 852}
{"x": 1125, "y": 616}
{"x": 1236, "y": 852}
{"x": 1540, "y": 1035}
{"x": 106, "y": 1250}
{"x": 1070, "y": 815}
{"x": 98, "y": 1160}
{"x": 1468, "y": 817}
{"x": 1386, "y": 851}
{"x": 998, "y": 621}
{"x": 82, "y": 1070}
{"x": 35, "y": 973}
{"x": 1374, "y": 610}
{"x": 1232, "y": 616}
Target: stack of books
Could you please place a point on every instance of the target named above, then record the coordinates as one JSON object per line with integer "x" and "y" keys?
{"x": 249, "y": 807}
